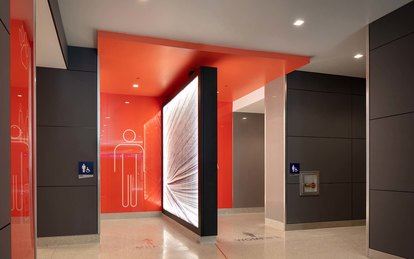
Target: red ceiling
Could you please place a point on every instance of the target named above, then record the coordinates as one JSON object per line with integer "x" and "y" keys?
{"x": 159, "y": 66}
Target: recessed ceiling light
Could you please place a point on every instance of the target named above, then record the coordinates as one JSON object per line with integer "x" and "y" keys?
{"x": 135, "y": 85}
{"x": 107, "y": 117}
{"x": 244, "y": 118}
{"x": 19, "y": 95}
{"x": 126, "y": 102}
{"x": 358, "y": 56}
{"x": 299, "y": 22}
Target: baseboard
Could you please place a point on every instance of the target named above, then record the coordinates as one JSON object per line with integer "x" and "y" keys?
{"x": 381, "y": 255}
{"x": 231, "y": 211}
{"x": 188, "y": 233}
{"x": 328, "y": 224}
{"x": 67, "y": 240}
{"x": 130, "y": 215}
{"x": 275, "y": 224}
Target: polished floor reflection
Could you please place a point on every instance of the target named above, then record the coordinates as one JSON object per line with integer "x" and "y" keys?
{"x": 240, "y": 236}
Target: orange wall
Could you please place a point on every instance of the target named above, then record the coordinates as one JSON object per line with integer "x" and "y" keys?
{"x": 130, "y": 153}
{"x": 225, "y": 154}
{"x": 21, "y": 121}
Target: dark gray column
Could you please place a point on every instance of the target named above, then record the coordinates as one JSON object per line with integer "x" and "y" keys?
{"x": 391, "y": 187}
{"x": 5, "y": 237}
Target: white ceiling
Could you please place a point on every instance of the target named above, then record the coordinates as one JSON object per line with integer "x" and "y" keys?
{"x": 332, "y": 34}
{"x": 48, "y": 52}
{"x": 256, "y": 107}
{"x": 252, "y": 102}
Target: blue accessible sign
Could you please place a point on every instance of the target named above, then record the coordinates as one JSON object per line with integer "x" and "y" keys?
{"x": 294, "y": 168}
{"x": 85, "y": 170}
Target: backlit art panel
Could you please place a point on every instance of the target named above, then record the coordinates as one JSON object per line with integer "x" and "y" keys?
{"x": 180, "y": 154}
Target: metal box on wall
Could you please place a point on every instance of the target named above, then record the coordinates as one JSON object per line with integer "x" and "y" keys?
{"x": 309, "y": 183}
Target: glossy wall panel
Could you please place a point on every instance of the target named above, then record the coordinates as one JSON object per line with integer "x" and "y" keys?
{"x": 4, "y": 127}
{"x": 391, "y": 220}
{"x": 391, "y": 153}
{"x": 64, "y": 211}
{"x": 60, "y": 102}
{"x": 21, "y": 128}
{"x": 315, "y": 118}
{"x": 391, "y": 69}
{"x": 130, "y": 153}
{"x": 78, "y": 147}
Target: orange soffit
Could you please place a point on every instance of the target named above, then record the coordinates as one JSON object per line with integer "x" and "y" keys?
{"x": 136, "y": 65}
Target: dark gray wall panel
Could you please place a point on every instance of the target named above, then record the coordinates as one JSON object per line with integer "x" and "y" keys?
{"x": 391, "y": 153}
{"x": 325, "y": 83}
{"x": 5, "y": 242}
{"x": 332, "y": 157}
{"x": 67, "y": 211}
{"x": 334, "y": 203}
{"x": 5, "y": 13}
{"x": 358, "y": 117}
{"x": 318, "y": 114}
{"x": 359, "y": 173}
{"x": 391, "y": 222}
{"x": 392, "y": 26}
{"x": 358, "y": 200}
{"x": 248, "y": 160}
{"x": 59, "y": 151}
{"x": 66, "y": 98}
{"x": 84, "y": 59}
{"x": 4, "y": 127}
{"x": 391, "y": 78}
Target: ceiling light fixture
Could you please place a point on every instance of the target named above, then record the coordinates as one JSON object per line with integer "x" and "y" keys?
{"x": 358, "y": 56}
{"x": 19, "y": 95}
{"x": 244, "y": 118}
{"x": 126, "y": 102}
{"x": 135, "y": 85}
{"x": 299, "y": 22}
{"x": 107, "y": 117}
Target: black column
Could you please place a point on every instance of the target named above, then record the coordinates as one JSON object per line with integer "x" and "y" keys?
{"x": 208, "y": 151}
{"x": 5, "y": 236}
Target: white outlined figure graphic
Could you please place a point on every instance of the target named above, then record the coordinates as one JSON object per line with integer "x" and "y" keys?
{"x": 21, "y": 143}
{"x": 24, "y": 47}
{"x": 127, "y": 152}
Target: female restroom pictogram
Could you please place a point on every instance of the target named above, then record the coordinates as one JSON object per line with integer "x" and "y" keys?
{"x": 129, "y": 161}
